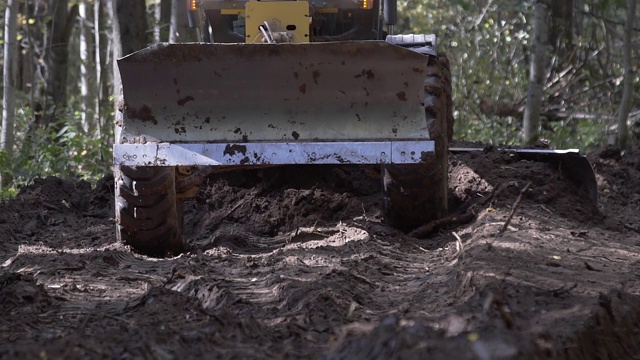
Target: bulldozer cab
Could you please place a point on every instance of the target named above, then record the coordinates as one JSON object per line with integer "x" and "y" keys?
{"x": 237, "y": 21}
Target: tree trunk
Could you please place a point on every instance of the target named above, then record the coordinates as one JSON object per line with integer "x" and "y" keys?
{"x": 88, "y": 89}
{"x": 131, "y": 24}
{"x": 165, "y": 19}
{"x": 59, "y": 28}
{"x": 129, "y": 35}
{"x": 536, "y": 73}
{"x": 103, "y": 72}
{"x": 162, "y": 17}
{"x": 116, "y": 53}
{"x": 157, "y": 17}
{"x": 8, "y": 95}
{"x": 562, "y": 26}
{"x": 627, "y": 92}
{"x": 179, "y": 31}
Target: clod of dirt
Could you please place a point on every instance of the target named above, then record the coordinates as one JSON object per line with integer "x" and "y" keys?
{"x": 393, "y": 338}
{"x": 607, "y": 334}
{"x": 20, "y": 294}
{"x": 610, "y": 152}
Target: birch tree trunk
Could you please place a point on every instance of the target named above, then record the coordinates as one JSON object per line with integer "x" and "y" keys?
{"x": 8, "y": 95}
{"x": 627, "y": 91}
{"x": 531, "y": 116}
{"x": 103, "y": 73}
{"x": 162, "y": 16}
{"x": 157, "y": 17}
{"x": 98, "y": 58}
{"x": 88, "y": 88}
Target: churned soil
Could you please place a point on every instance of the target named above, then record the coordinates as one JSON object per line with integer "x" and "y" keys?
{"x": 296, "y": 262}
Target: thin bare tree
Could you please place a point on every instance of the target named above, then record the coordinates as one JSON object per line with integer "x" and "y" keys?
{"x": 162, "y": 20}
{"x": 627, "y": 91}
{"x": 8, "y": 95}
{"x": 531, "y": 116}
{"x": 56, "y": 57}
{"x": 88, "y": 87}
{"x": 103, "y": 44}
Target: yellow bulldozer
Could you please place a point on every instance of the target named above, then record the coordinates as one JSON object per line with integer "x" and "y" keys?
{"x": 285, "y": 83}
{"x": 280, "y": 83}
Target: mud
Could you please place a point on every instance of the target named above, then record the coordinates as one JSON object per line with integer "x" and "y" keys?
{"x": 298, "y": 263}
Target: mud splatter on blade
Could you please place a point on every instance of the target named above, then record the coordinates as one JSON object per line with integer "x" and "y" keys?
{"x": 366, "y": 90}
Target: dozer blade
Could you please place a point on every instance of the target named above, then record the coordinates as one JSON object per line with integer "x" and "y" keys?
{"x": 574, "y": 165}
{"x": 234, "y": 93}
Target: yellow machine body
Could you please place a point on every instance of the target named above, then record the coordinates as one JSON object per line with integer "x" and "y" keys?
{"x": 290, "y": 20}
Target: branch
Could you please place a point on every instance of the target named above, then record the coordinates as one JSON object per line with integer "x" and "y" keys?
{"x": 515, "y": 207}
{"x": 600, "y": 17}
{"x": 502, "y": 108}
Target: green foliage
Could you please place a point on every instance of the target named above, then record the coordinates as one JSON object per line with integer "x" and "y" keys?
{"x": 57, "y": 150}
{"x": 465, "y": 5}
{"x": 488, "y": 44}
{"x": 606, "y": 5}
{"x": 577, "y": 134}
{"x": 485, "y": 45}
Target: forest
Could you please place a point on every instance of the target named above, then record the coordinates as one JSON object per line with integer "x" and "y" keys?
{"x": 561, "y": 72}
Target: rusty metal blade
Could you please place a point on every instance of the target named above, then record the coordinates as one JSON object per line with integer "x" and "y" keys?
{"x": 365, "y": 90}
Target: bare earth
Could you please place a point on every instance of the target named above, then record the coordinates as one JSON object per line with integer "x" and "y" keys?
{"x": 297, "y": 263}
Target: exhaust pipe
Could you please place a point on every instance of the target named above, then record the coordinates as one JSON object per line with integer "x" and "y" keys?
{"x": 390, "y": 12}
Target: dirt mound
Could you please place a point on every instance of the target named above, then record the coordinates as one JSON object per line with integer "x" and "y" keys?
{"x": 270, "y": 202}
{"x": 57, "y": 194}
{"x": 618, "y": 177}
{"x": 504, "y": 174}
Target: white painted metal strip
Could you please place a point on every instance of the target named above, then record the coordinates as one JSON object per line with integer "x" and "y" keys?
{"x": 373, "y": 152}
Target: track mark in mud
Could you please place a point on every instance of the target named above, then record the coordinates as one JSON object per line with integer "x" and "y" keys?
{"x": 297, "y": 262}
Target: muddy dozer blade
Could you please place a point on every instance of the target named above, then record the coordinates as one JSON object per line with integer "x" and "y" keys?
{"x": 572, "y": 164}
{"x": 365, "y": 90}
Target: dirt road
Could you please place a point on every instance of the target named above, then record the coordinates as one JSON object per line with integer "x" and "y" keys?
{"x": 297, "y": 263}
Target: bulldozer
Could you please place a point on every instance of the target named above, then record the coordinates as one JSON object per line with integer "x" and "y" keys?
{"x": 286, "y": 83}
{"x": 275, "y": 83}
